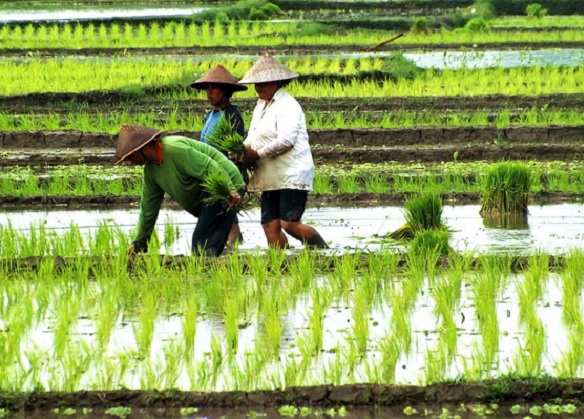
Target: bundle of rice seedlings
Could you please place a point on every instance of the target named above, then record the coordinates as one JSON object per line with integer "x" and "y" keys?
{"x": 430, "y": 243}
{"x": 505, "y": 189}
{"x": 225, "y": 138}
{"x": 216, "y": 185}
{"x": 423, "y": 212}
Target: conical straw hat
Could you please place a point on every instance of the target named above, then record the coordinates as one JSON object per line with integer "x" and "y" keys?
{"x": 218, "y": 75}
{"x": 132, "y": 138}
{"x": 267, "y": 69}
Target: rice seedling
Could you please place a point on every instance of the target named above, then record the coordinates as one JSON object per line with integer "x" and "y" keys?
{"x": 231, "y": 322}
{"x": 572, "y": 281}
{"x": 506, "y": 188}
{"x": 430, "y": 244}
{"x": 423, "y": 212}
{"x": 360, "y": 319}
{"x": 216, "y": 186}
{"x": 226, "y": 139}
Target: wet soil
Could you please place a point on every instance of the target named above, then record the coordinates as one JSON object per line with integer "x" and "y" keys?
{"x": 296, "y": 50}
{"x": 503, "y": 391}
{"x": 337, "y": 200}
{"x": 348, "y": 146}
{"x": 104, "y": 101}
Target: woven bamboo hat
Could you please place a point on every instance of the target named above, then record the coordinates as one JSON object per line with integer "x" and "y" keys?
{"x": 133, "y": 138}
{"x": 218, "y": 75}
{"x": 267, "y": 69}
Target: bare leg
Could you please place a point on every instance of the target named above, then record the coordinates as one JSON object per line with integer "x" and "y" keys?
{"x": 234, "y": 235}
{"x": 305, "y": 233}
{"x": 275, "y": 235}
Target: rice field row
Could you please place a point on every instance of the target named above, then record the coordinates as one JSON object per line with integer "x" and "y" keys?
{"x": 69, "y": 75}
{"x": 181, "y": 119}
{"x": 242, "y": 33}
{"x": 92, "y": 324}
{"x": 446, "y": 178}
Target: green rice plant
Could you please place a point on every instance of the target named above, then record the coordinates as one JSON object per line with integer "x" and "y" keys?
{"x": 382, "y": 263}
{"x": 435, "y": 366}
{"x": 231, "y": 322}
{"x": 390, "y": 354}
{"x": 189, "y": 323}
{"x": 302, "y": 270}
{"x": 225, "y": 138}
{"x": 430, "y": 244}
{"x": 377, "y": 184}
{"x": 528, "y": 361}
{"x": 446, "y": 294}
{"x": 360, "y": 319}
{"x": 216, "y": 186}
{"x": 349, "y": 184}
{"x": 477, "y": 24}
{"x": 420, "y": 26}
{"x": 572, "y": 280}
{"x": 422, "y": 212}
{"x": 273, "y": 324}
{"x": 485, "y": 292}
{"x": 322, "y": 184}
{"x": 505, "y": 188}
{"x": 535, "y": 10}
{"x": 216, "y": 357}
{"x": 144, "y": 327}
{"x": 573, "y": 358}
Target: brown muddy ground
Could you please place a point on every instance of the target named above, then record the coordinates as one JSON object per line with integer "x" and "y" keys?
{"x": 116, "y": 101}
{"x": 283, "y": 49}
{"x": 504, "y": 391}
{"x": 338, "y": 200}
{"x": 346, "y": 146}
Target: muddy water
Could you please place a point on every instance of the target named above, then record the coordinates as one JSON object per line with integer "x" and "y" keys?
{"x": 550, "y": 228}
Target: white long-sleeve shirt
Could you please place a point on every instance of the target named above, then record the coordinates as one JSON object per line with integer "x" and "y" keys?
{"x": 278, "y": 133}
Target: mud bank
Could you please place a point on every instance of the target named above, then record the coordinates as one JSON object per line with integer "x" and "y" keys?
{"x": 371, "y": 145}
{"x": 101, "y": 101}
{"x": 300, "y": 50}
{"x": 506, "y": 391}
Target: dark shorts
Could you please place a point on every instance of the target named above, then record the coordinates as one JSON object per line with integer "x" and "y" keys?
{"x": 283, "y": 204}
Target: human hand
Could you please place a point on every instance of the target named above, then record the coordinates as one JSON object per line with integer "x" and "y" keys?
{"x": 250, "y": 156}
{"x": 235, "y": 199}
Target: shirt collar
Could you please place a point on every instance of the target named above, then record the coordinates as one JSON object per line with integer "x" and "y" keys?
{"x": 279, "y": 93}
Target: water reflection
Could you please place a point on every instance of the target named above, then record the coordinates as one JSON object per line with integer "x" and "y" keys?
{"x": 439, "y": 60}
{"x": 551, "y": 228}
{"x": 90, "y": 12}
{"x": 515, "y": 221}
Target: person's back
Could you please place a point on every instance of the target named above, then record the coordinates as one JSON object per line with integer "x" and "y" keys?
{"x": 185, "y": 165}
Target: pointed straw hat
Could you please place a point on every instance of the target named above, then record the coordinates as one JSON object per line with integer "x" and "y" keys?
{"x": 218, "y": 75}
{"x": 133, "y": 138}
{"x": 267, "y": 69}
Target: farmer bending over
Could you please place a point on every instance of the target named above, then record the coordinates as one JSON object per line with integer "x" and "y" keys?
{"x": 178, "y": 166}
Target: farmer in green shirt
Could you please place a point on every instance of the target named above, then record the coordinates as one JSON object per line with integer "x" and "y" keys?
{"x": 178, "y": 166}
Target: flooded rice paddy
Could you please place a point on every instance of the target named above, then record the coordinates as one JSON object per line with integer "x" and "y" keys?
{"x": 438, "y": 60}
{"x": 548, "y": 228}
{"x": 224, "y": 332}
{"x": 82, "y": 12}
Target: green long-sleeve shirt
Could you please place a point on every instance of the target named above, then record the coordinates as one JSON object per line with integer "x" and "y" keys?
{"x": 185, "y": 165}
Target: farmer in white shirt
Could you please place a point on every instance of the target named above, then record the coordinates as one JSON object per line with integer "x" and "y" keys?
{"x": 277, "y": 144}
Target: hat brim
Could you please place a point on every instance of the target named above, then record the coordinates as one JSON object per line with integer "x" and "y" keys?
{"x": 125, "y": 156}
{"x": 202, "y": 85}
